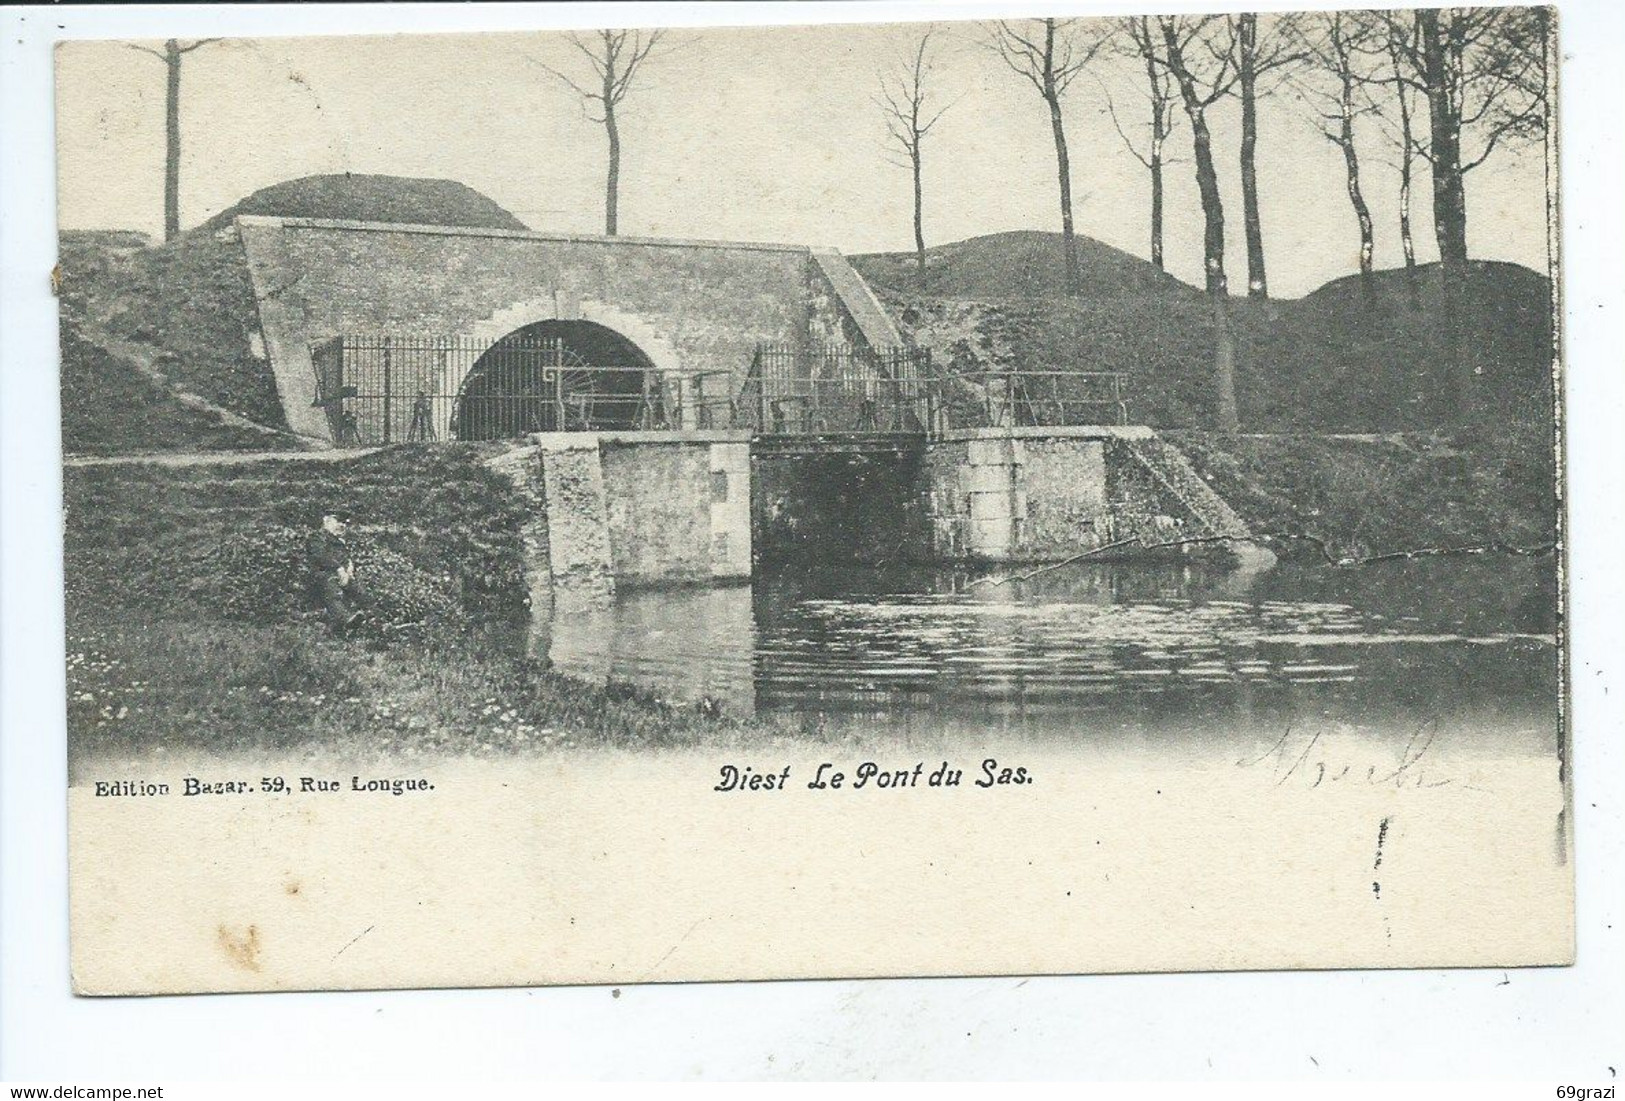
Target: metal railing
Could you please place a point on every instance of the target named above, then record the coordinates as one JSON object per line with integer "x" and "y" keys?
{"x": 711, "y": 401}
{"x": 1023, "y": 397}
{"x": 835, "y": 388}
{"x": 380, "y": 389}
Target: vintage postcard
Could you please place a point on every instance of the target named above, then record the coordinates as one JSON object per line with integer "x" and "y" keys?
{"x": 1048, "y": 495}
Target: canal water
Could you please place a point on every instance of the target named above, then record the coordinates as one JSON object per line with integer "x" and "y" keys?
{"x": 1137, "y": 653}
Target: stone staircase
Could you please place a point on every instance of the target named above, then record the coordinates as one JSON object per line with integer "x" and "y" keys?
{"x": 1169, "y": 468}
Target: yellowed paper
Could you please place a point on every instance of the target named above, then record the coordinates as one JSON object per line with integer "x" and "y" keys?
{"x": 784, "y": 503}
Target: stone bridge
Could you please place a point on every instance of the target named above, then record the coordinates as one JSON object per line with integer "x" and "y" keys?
{"x": 677, "y": 306}
{"x": 690, "y": 504}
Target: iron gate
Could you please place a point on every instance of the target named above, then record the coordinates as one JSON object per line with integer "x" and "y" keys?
{"x": 393, "y": 389}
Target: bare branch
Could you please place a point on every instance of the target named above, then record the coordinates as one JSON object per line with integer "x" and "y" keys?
{"x": 905, "y": 98}
{"x": 564, "y": 79}
{"x": 1212, "y": 80}
{"x": 615, "y": 56}
{"x": 1021, "y": 54}
{"x": 1482, "y": 70}
{"x": 1128, "y": 142}
{"x": 640, "y": 50}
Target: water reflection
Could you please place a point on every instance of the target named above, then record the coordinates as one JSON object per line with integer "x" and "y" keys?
{"x": 1143, "y": 651}
{"x": 685, "y": 644}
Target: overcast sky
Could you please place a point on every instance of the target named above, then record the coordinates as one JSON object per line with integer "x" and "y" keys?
{"x": 759, "y": 135}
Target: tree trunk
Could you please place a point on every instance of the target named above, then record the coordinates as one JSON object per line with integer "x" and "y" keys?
{"x": 1442, "y": 63}
{"x": 1226, "y": 419}
{"x": 1406, "y": 240}
{"x": 1155, "y": 80}
{"x": 612, "y": 182}
{"x": 1156, "y": 208}
{"x": 1450, "y": 207}
{"x": 1351, "y": 161}
{"x": 919, "y": 209}
{"x": 172, "y": 141}
{"x": 1225, "y": 416}
{"x": 1247, "y": 79}
{"x": 1407, "y": 158}
{"x": 1063, "y": 169}
{"x": 1441, "y": 52}
{"x": 1362, "y": 214}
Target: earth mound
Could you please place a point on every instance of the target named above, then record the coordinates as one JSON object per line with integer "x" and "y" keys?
{"x": 364, "y": 198}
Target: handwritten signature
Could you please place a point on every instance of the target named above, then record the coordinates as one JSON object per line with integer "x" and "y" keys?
{"x": 1294, "y": 754}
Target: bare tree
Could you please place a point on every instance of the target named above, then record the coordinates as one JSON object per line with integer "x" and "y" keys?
{"x": 1050, "y": 53}
{"x": 1259, "y": 54}
{"x": 1482, "y": 72}
{"x": 1138, "y": 40}
{"x": 1204, "y": 74}
{"x": 615, "y": 57}
{"x": 1483, "y": 75}
{"x": 1403, "y": 137}
{"x": 910, "y": 110}
{"x": 1335, "y": 46}
{"x": 171, "y": 56}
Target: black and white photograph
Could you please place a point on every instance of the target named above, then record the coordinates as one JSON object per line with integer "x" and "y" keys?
{"x": 667, "y": 504}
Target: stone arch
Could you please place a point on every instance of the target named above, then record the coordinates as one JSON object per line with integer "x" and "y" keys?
{"x": 561, "y": 306}
{"x": 559, "y": 376}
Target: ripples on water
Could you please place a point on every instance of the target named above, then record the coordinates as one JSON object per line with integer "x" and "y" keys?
{"x": 1099, "y": 647}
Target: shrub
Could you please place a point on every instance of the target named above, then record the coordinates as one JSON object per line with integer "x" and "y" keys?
{"x": 262, "y": 577}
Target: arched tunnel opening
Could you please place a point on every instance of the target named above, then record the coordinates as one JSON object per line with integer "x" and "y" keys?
{"x": 559, "y": 376}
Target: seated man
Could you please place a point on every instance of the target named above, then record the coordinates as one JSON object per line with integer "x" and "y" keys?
{"x": 332, "y": 573}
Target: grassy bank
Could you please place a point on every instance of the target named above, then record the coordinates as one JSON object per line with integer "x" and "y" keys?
{"x": 1360, "y": 496}
{"x": 110, "y": 408}
{"x": 188, "y": 623}
{"x": 151, "y": 537}
{"x": 176, "y": 684}
{"x": 187, "y": 307}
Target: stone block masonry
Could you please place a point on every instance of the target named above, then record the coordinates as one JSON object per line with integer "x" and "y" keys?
{"x": 730, "y": 511}
{"x": 1039, "y": 494}
{"x": 619, "y": 510}
{"x": 689, "y": 306}
{"x": 1049, "y": 493}
{"x": 615, "y": 510}
{"x": 678, "y": 508}
{"x": 580, "y": 556}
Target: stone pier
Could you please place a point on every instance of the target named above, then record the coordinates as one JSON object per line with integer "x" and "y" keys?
{"x": 628, "y": 509}
{"x": 1046, "y": 493}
